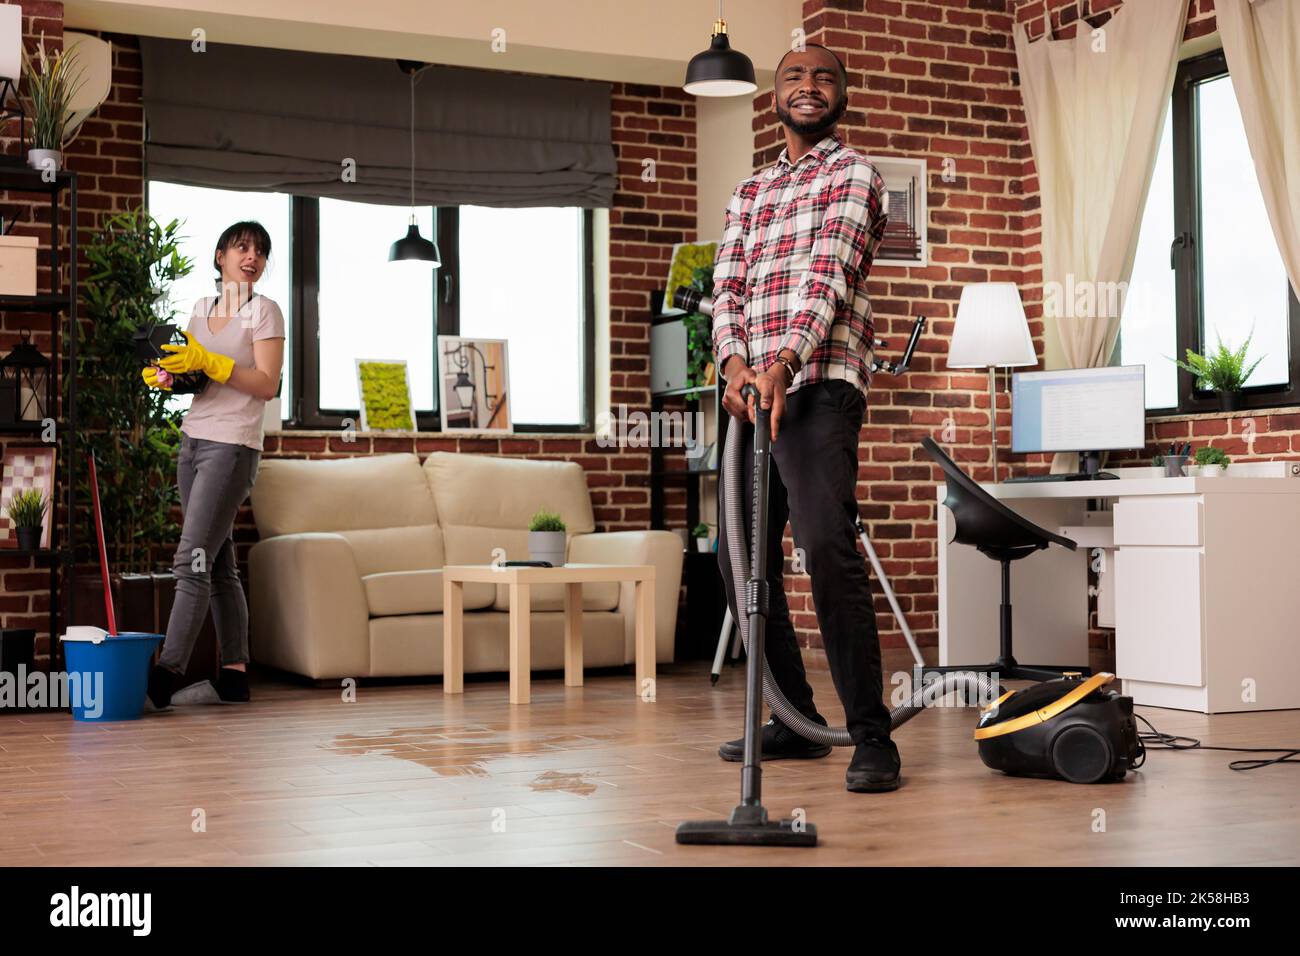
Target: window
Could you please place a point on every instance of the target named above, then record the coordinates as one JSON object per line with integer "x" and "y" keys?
{"x": 524, "y": 275}
{"x": 204, "y": 214}
{"x": 1207, "y": 265}
{"x": 369, "y": 309}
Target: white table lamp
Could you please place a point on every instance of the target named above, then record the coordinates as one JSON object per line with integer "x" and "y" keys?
{"x": 991, "y": 332}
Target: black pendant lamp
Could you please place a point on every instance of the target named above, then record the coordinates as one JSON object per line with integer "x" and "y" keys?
{"x": 720, "y": 70}
{"x": 413, "y": 247}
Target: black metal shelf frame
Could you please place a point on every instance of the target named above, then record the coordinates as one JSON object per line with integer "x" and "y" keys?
{"x": 58, "y": 302}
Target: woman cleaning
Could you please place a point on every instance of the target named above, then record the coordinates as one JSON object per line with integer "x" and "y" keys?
{"x": 236, "y": 339}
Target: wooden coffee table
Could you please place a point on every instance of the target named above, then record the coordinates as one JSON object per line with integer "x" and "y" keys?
{"x": 520, "y": 582}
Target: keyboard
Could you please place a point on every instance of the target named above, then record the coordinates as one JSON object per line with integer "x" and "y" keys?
{"x": 1069, "y": 476}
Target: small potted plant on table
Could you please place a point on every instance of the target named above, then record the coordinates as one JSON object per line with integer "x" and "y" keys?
{"x": 546, "y": 538}
{"x": 27, "y": 510}
{"x": 1212, "y": 461}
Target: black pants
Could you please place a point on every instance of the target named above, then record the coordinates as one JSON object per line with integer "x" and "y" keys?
{"x": 813, "y": 484}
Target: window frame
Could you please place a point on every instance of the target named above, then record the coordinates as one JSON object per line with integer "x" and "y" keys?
{"x": 1186, "y": 257}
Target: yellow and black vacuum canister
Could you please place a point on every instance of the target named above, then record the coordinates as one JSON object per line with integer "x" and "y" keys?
{"x": 1073, "y": 729}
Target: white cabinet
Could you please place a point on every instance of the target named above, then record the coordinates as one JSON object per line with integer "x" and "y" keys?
{"x": 1158, "y": 615}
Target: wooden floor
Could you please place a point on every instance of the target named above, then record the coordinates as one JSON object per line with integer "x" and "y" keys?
{"x": 589, "y": 775}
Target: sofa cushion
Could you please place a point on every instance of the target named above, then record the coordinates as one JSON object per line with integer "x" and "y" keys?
{"x": 417, "y": 548}
{"x": 403, "y": 592}
{"x": 342, "y": 494}
{"x": 492, "y": 492}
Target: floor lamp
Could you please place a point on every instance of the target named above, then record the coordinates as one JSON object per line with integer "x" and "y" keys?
{"x": 991, "y": 332}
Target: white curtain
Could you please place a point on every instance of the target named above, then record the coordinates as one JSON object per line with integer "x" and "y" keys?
{"x": 1261, "y": 42}
{"x": 1095, "y": 106}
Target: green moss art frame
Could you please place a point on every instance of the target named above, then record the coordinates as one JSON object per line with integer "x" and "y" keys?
{"x": 385, "y": 396}
{"x": 687, "y": 257}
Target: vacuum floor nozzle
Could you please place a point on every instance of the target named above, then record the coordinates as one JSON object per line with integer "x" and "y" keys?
{"x": 748, "y": 826}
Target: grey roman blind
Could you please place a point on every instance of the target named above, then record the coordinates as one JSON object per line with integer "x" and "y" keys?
{"x": 240, "y": 117}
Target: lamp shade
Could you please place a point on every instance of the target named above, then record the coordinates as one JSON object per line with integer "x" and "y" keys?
{"x": 11, "y": 41}
{"x": 991, "y": 329}
{"x": 720, "y": 70}
{"x": 413, "y": 247}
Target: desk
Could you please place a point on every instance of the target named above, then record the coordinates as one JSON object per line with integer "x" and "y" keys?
{"x": 520, "y": 581}
{"x": 1205, "y": 577}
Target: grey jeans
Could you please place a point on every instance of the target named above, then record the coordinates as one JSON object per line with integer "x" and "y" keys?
{"x": 215, "y": 478}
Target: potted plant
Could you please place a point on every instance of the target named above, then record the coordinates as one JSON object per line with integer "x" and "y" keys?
{"x": 699, "y": 335}
{"x": 1223, "y": 371}
{"x": 701, "y": 535}
{"x": 27, "y": 510}
{"x": 1212, "y": 461}
{"x": 52, "y": 80}
{"x": 546, "y": 538}
{"x": 133, "y": 430}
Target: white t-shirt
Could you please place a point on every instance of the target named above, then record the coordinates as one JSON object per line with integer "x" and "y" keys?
{"x": 220, "y": 412}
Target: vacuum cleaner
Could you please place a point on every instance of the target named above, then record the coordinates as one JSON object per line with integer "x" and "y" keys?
{"x": 1070, "y": 729}
{"x": 1033, "y": 754}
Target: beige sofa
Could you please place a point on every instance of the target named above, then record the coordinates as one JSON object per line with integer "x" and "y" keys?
{"x": 346, "y": 579}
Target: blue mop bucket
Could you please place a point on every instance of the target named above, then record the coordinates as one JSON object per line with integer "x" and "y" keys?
{"x": 112, "y": 675}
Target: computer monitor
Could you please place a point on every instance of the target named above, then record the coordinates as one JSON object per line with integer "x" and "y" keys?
{"x": 1086, "y": 410}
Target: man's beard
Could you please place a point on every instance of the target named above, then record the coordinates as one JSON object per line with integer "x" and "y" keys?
{"x": 815, "y": 125}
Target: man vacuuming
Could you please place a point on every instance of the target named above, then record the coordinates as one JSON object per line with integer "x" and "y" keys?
{"x": 791, "y": 316}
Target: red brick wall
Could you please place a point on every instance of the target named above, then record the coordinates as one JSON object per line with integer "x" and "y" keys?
{"x": 24, "y": 582}
{"x": 647, "y": 218}
{"x": 935, "y": 81}
{"x": 938, "y": 80}
{"x": 108, "y": 158}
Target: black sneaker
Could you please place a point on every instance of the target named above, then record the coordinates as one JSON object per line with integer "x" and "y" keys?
{"x": 779, "y": 743}
{"x": 162, "y": 684}
{"x": 874, "y": 767}
{"x": 232, "y": 685}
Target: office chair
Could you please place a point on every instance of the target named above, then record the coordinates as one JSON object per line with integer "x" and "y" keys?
{"x": 998, "y": 532}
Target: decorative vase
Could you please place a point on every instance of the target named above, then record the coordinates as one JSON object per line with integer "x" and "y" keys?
{"x": 702, "y": 544}
{"x": 546, "y": 546}
{"x": 1229, "y": 401}
{"x": 42, "y": 159}
{"x": 29, "y": 539}
{"x": 1211, "y": 471}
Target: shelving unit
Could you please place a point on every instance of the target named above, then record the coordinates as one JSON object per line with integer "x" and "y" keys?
{"x": 57, "y": 303}
{"x": 669, "y": 468}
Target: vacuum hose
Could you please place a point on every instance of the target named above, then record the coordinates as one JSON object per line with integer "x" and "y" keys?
{"x": 732, "y": 502}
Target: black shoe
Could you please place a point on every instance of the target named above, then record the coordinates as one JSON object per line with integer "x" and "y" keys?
{"x": 874, "y": 767}
{"x": 779, "y": 743}
{"x": 162, "y": 684}
{"x": 232, "y": 685}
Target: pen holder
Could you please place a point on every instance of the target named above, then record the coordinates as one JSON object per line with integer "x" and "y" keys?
{"x": 1174, "y": 465}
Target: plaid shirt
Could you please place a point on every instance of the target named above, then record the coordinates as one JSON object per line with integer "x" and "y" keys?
{"x": 791, "y": 271}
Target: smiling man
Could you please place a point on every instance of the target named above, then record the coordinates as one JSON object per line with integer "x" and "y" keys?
{"x": 791, "y": 316}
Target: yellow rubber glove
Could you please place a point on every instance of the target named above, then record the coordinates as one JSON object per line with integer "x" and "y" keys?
{"x": 193, "y": 357}
{"x": 156, "y": 378}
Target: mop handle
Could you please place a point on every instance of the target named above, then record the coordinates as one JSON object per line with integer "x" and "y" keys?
{"x": 103, "y": 557}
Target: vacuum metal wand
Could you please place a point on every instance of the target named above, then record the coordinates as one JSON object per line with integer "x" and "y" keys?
{"x": 748, "y": 823}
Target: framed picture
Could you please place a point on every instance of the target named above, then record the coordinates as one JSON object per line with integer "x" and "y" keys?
{"x": 385, "y": 390}
{"x": 905, "y": 241}
{"x": 26, "y": 467}
{"x": 475, "y": 381}
{"x": 687, "y": 257}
